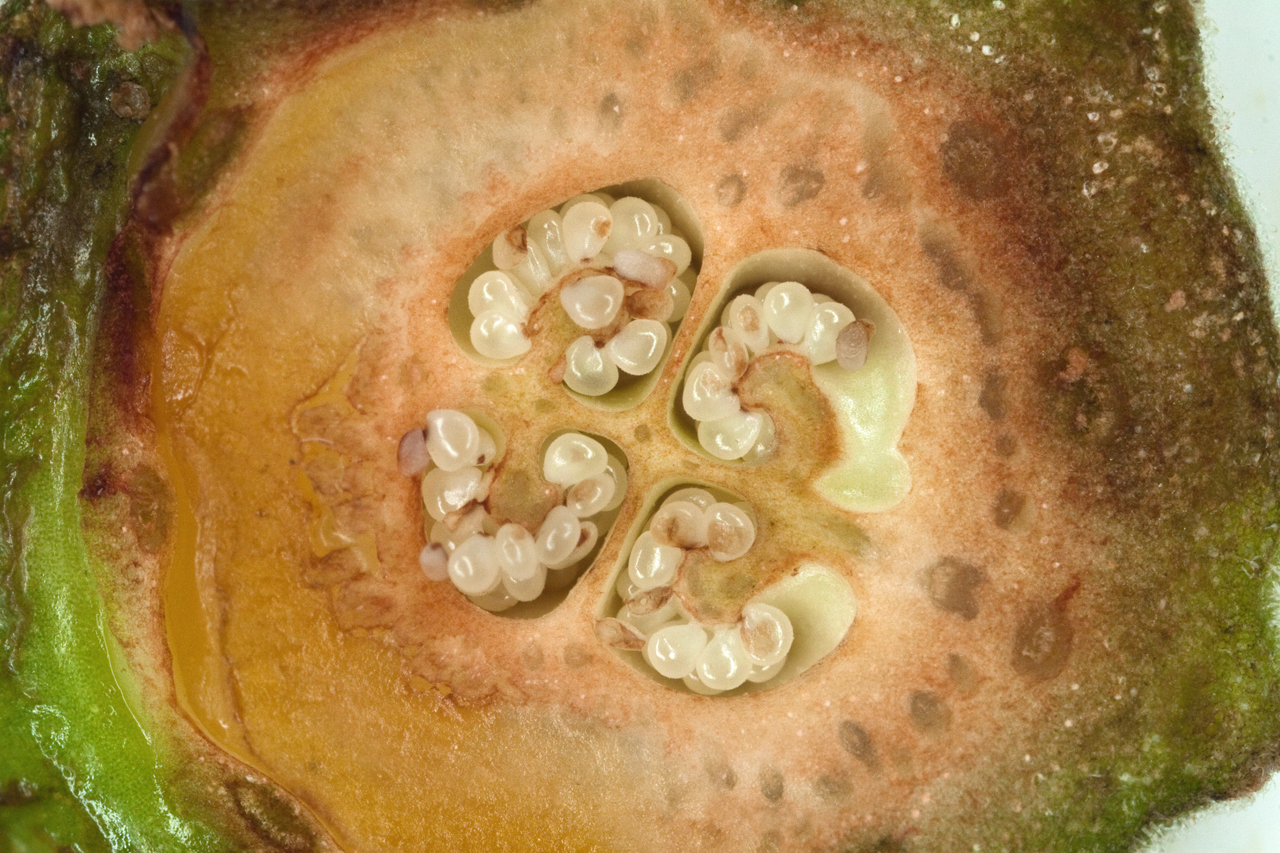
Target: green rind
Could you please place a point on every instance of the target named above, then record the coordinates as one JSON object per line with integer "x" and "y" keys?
{"x": 78, "y": 771}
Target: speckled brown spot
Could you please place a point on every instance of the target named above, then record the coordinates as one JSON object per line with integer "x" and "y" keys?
{"x": 857, "y": 742}
{"x": 1009, "y": 505}
{"x": 962, "y": 674}
{"x": 772, "y": 785}
{"x": 334, "y": 568}
{"x": 575, "y": 656}
{"x": 951, "y": 584}
{"x": 270, "y": 817}
{"x": 929, "y": 713}
{"x": 799, "y": 183}
{"x": 1042, "y": 642}
{"x": 973, "y": 158}
{"x": 610, "y": 113}
{"x": 731, "y": 190}
{"x": 993, "y": 399}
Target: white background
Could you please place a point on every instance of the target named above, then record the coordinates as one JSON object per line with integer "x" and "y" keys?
{"x": 1242, "y": 43}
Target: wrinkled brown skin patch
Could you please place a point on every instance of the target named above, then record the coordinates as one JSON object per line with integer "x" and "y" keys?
{"x": 1021, "y": 447}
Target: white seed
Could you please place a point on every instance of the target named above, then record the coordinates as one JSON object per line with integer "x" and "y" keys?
{"x": 638, "y": 347}
{"x": 618, "y": 472}
{"x": 510, "y": 247}
{"x": 853, "y": 343}
{"x": 729, "y": 351}
{"x": 453, "y": 439}
{"x": 593, "y": 302}
{"x": 598, "y": 198}
{"x": 664, "y": 220}
{"x": 625, "y": 586}
{"x": 640, "y": 266}
{"x": 498, "y": 291}
{"x": 497, "y": 336}
{"x": 495, "y": 602}
{"x": 652, "y": 565}
{"x": 526, "y": 589}
{"x": 488, "y": 449}
{"x": 587, "y": 370}
{"x": 708, "y": 393}
{"x": 635, "y": 224}
{"x": 585, "y": 230}
{"x": 723, "y": 664}
{"x": 473, "y": 566}
{"x": 767, "y": 634}
{"x": 411, "y": 455}
{"x": 730, "y": 532}
{"x": 680, "y": 290}
{"x": 732, "y": 437}
{"x": 674, "y": 650}
{"x": 558, "y": 536}
{"x": 765, "y": 441}
{"x": 746, "y": 317}
{"x": 679, "y": 524}
{"x": 700, "y": 497}
{"x": 588, "y": 536}
{"x": 763, "y": 290}
{"x": 444, "y": 491}
{"x": 673, "y": 248}
{"x": 572, "y": 458}
{"x": 534, "y": 272}
{"x": 545, "y": 235}
{"x": 590, "y": 496}
{"x": 517, "y": 552}
{"x": 695, "y": 685}
{"x": 761, "y": 674}
{"x": 433, "y": 559}
{"x": 787, "y": 309}
{"x": 825, "y": 325}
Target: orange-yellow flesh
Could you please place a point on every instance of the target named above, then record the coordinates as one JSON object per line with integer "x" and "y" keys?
{"x": 303, "y": 330}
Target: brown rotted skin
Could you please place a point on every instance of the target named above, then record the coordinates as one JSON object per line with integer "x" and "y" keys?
{"x": 1092, "y": 430}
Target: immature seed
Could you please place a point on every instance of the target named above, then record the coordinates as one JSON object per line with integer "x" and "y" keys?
{"x": 853, "y": 344}
{"x": 767, "y": 634}
{"x": 453, "y": 439}
{"x": 510, "y": 248}
{"x": 651, "y": 564}
{"x": 573, "y": 457}
{"x": 433, "y": 559}
{"x": 496, "y": 335}
{"x": 638, "y": 348}
{"x": 787, "y": 308}
{"x": 649, "y": 601}
{"x": 473, "y": 566}
{"x": 724, "y": 664}
{"x": 619, "y": 635}
{"x": 731, "y": 437}
{"x": 708, "y": 393}
{"x": 587, "y": 369}
{"x": 639, "y": 266}
{"x": 592, "y": 302}
{"x": 412, "y": 455}
{"x": 586, "y": 228}
{"x": 680, "y": 524}
{"x": 674, "y": 651}
{"x": 730, "y": 531}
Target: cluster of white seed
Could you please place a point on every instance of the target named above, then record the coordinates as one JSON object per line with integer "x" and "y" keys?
{"x": 653, "y": 621}
{"x": 778, "y": 315}
{"x": 499, "y": 565}
{"x": 615, "y": 259}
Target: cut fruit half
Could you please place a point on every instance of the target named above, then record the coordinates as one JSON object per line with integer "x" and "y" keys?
{"x": 760, "y": 426}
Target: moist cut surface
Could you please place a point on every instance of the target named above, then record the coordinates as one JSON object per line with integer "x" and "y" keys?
{"x": 936, "y": 566}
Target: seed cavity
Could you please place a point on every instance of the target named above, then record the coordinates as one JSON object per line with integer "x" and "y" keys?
{"x": 705, "y": 658}
{"x": 495, "y": 564}
{"x": 777, "y": 317}
{"x": 618, "y": 268}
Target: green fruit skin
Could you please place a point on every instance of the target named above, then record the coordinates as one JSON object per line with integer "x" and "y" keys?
{"x": 78, "y": 771}
{"x": 82, "y": 769}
